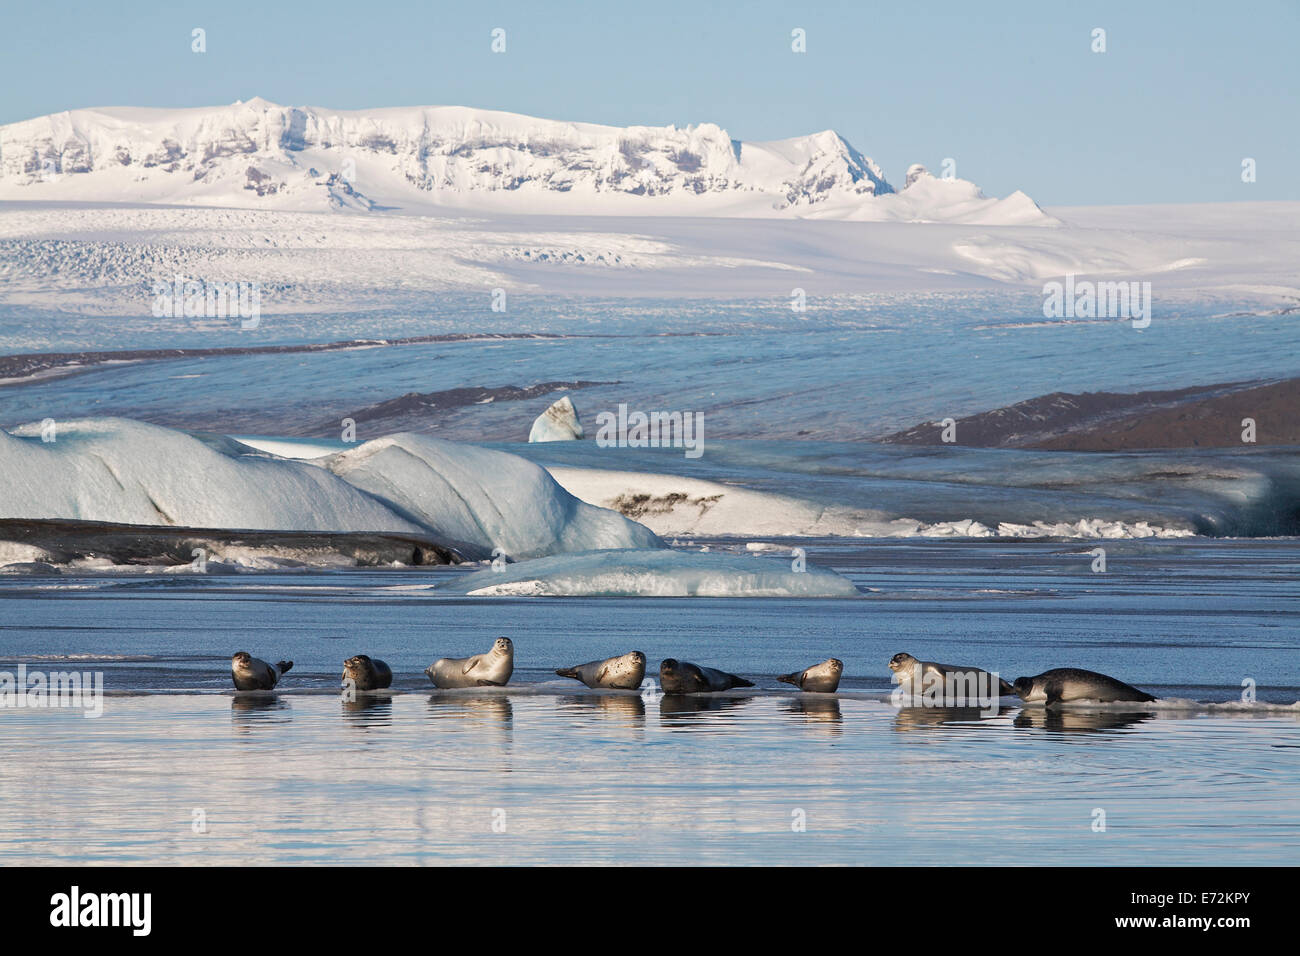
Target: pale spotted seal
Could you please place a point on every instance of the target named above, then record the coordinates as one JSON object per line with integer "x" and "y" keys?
{"x": 492, "y": 669}
{"x": 945, "y": 683}
{"x": 624, "y": 673}
{"x": 823, "y": 678}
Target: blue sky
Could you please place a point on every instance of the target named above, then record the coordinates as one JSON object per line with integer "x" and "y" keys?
{"x": 1011, "y": 91}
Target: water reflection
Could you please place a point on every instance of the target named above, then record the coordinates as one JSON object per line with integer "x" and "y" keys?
{"x": 368, "y": 710}
{"x": 924, "y": 718}
{"x": 254, "y": 708}
{"x": 699, "y": 710}
{"x": 1075, "y": 721}
{"x": 824, "y": 712}
{"x": 486, "y": 709}
{"x": 626, "y": 708}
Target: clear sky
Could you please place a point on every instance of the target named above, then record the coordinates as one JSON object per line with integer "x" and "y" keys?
{"x": 1012, "y": 91}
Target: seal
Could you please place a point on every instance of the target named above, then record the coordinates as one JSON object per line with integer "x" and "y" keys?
{"x": 683, "y": 677}
{"x": 249, "y": 673}
{"x": 1070, "y": 683}
{"x": 367, "y": 673}
{"x": 492, "y": 669}
{"x": 823, "y": 678}
{"x": 622, "y": 673}
{"x": 948, "y": 682}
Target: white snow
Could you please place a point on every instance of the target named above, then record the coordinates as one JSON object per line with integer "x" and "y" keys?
{"x": 105, "y": 259}
{"x": 558, "y": 423}
{"x": 653, "y": 574}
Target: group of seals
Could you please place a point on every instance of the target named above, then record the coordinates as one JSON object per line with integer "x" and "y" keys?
{"x": 1056, "y": 686}
{"x": 626, "y": 672}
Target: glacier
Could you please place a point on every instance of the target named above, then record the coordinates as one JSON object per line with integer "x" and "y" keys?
{"x": 263, "y": 155}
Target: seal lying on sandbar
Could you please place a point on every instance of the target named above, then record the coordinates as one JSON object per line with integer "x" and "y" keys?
{"x": 1070, "y": 683}
{"x": 683, "y": 677}
{"x": 948, "y": 682}
{"x": 823, "y": 678}
{"x": 623, "y": 673}
{"x": 492, "y": 669}
{"x": 249, "y": 673}
{"x": 367, "y": 673}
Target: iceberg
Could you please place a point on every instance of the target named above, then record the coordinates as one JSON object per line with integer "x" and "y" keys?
{"x": 483, "y": 501}
{"x": 666, "y": 573}
{"x": 478, "y": 501}
{"x": 128, "y": 472}
{"x": 557, "y": 423}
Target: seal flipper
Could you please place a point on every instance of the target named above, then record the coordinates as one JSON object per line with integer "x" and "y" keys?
{"x": 284, "y": 667}
{"x": 787, "y": 679}
{"x": 1005, "y": 689}
{"x": 1054, "y": 690}
{"x": 489, "y": 683}
{"x": 740, "y": 681}
{"x": 568, "y": 672}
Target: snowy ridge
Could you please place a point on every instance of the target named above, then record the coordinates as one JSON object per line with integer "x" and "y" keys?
{"x": 259, "y": 154}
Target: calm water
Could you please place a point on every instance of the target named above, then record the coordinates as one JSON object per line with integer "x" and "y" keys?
{"x": 567, "y": 775}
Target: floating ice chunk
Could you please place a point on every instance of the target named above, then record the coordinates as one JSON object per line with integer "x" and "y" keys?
{"x": 557, "y": 423}
{"x": 641, "y": 573}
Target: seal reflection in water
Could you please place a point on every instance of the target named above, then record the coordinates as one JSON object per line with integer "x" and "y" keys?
{"x": 683, "y": 677}
{"x": 1076, "y": 721}
{"x": 1069, "y": 683}
{"x": 816, "y": 710}
{"x": 366, "y": 673}
{"x": 954, "y": 718}
{"x": 618, "y": 673}
{"x": 823, "y": 678}
{"x": 492, "y": 669}
{"x": 249, "y": 673}
{"x": 626, "y": 708}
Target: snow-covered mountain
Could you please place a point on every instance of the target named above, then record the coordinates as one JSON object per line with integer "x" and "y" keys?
{"x": 258, "y": 154}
